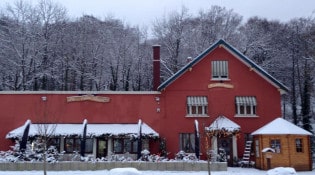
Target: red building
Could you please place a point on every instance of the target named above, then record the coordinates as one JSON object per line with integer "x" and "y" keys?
{"x": 220, "y": 82}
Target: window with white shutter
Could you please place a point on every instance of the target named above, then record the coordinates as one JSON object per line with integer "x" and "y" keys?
{"x": 219, "y": 70}
{"x": 197, "y": 106}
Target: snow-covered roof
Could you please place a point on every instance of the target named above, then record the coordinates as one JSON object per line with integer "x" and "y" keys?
{"x": 93, "y": 130}
{"x": 223, "y": 123}
{"x": 237, "y": 54}
{"x": 280, "y": 126}
{"x": 82, "y": 92}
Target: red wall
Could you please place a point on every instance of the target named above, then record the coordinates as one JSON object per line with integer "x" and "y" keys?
{"x": 221, "y": 101}
{"x": 122, "y": 108}
{"x": 171, "y": 120}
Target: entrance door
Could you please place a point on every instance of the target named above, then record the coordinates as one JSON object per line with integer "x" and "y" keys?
{"x": 225, "y": 143}
{"x": 101, "y": 148}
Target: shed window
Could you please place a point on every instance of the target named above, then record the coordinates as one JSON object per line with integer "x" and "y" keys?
{"x": 276, "y": 145}
{"x": 197, "y": 106}
{"x": 299, "y": 145}
{"x": 219, "y": 69}
{"x": 245, "y": 105}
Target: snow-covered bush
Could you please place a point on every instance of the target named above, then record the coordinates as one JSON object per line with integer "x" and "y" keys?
{"x": 221, "y": 155}
{"x": 183, "y": 156}
{"x": 33, "y": 152}
{"x": 145, "y": 155}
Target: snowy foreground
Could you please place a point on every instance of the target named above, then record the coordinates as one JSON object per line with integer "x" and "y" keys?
{"x": 122, "y": 171}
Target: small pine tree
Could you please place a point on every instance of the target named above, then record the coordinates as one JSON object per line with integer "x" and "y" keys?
{"x": 163, "y": 150}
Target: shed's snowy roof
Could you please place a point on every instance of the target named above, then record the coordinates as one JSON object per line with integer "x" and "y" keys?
{"x": 280, "y": 126}
{"x": 223, "y": 123}
{"x": 77, "y": 129}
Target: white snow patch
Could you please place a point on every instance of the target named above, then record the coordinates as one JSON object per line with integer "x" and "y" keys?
{"x": 282, "y": 171}
{"x": 85, "y": 122}
{"x": 124, "y": 171}
{"x": 268, "y": 150}
{"x": 197, "y": 126}
{"x": 230, "y": 171}
{"x": 139, "y": 128}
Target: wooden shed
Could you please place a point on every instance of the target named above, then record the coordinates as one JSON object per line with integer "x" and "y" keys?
{"x": 282, "y": 144}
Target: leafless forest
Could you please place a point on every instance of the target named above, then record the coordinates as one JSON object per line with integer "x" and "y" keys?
{"x": 42, "y": 48}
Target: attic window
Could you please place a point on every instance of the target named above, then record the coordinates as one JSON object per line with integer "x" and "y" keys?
{"x": 219, "y": 70}
{"x": 197, "y": 106}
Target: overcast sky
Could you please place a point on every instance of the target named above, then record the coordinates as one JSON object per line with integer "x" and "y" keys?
{"x": 144, "y": 12}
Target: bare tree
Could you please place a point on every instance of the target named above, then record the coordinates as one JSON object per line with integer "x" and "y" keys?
{"x": 170, "y": 33}
{"x": 16, "y": 42}
{"x": 50, "y": 15}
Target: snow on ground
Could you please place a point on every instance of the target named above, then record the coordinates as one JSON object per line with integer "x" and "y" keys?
{"x": 230, "y": 171}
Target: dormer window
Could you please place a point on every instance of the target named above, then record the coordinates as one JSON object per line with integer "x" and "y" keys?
{"x": 220, "y": 70}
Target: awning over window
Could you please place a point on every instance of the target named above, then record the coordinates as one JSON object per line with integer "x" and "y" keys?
{"x": 197, "y": 101}
{"x": 93, "y": 130}
{"x": 251, "y": 101}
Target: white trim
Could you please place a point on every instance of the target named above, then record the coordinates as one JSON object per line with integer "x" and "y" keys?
{"x": 80, "y": 92}
{"x": 255, "y": 70}
{"x": 196, "y": 115}
{"x": 245, "y": 116}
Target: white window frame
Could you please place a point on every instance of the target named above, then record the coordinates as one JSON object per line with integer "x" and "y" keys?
{"x": 299, "y": 145}
{"x": 246, "y": 106}
{"x": 197, "y": 106}
{"x": 276, "y": 145}
{"x": 257, "y": 148}
{"x": 219, "y": 70}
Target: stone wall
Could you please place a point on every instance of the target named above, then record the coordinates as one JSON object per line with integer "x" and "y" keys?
{"x": 85, "y": 166}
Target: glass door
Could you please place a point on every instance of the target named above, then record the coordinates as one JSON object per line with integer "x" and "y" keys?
{"x": 225, "y": 151}
{"x": 101, "y": 148}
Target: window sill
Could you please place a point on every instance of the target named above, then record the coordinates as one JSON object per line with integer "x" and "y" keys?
{"x": 220, "y": 79}
{"x": 192, "y": 115}
{"x": 246, "y": 116}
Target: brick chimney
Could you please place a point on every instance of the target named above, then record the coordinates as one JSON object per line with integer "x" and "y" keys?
{"x": 156, "y": 67}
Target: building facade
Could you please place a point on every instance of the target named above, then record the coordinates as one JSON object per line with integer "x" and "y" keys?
{"x": 220, "y": 82}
